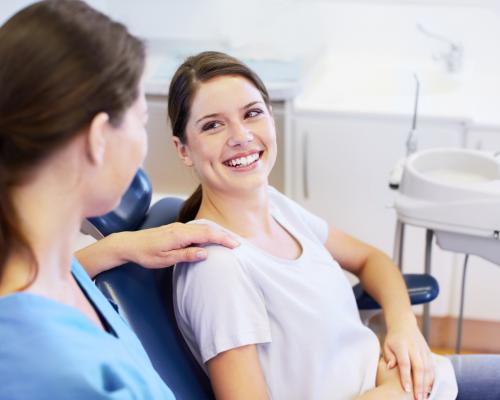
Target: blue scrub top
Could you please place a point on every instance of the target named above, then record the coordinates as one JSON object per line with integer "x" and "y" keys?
{"x": 49, "y": 350}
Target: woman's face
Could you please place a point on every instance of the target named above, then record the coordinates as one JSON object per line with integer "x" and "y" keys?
{"x": 231, "y": 137}
{"x": 126, "y": 150}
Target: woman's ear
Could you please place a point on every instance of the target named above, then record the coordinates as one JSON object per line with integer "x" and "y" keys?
{"x": 182, "y": 151}
{"x": 96, "y": 140}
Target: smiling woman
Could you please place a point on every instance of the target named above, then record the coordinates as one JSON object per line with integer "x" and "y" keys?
{"x": 234, "y": 146}
{"x": 248, "y": 314}
{"x": 191, "y": 118}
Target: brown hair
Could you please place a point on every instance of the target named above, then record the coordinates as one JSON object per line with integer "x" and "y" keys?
{"x": 62, "y": 62}
{"x": 186, "y": 81}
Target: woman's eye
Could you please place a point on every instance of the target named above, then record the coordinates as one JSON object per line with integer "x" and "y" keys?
{"x": 210, "y": 125}
{"x": 253, "y": 113}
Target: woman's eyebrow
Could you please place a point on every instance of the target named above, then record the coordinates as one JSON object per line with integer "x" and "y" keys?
{"x": 207, "y": 116}
{"x": 252, "y": 103}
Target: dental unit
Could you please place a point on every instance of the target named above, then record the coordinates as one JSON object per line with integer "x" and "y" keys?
{"x": 453, "y": 193}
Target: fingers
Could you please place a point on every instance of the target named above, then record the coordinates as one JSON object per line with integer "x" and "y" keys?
{"x": 423, "y": 374}
{"x": 429, "y": 373}
{"x": 187, "y": 234}
{"x": 189, "y": 254}
{"x": 418, "y": 371}
{"x": 389, "y": 357}
{"x": 405, "y": 367}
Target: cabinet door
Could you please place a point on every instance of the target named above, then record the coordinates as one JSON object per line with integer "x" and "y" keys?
{"x": 343, "y": 164}
{"x": 167, "y": 173}
{"x": 341, "y": 172}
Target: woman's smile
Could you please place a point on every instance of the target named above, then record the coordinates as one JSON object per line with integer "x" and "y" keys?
{"x": 243, "y": 162}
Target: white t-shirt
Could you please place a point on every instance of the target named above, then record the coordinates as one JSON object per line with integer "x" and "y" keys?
{"x": 301, "y": 313}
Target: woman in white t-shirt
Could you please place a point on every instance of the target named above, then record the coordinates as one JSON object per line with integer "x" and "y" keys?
{"x": 276, "y": 317}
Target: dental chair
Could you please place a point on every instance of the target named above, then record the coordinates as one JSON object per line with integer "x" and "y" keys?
{"x": 144, "y": 296}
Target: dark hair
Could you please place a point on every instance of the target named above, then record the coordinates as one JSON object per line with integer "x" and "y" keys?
{"x": 62, "y": 62}
{"x": 185, "y": 82}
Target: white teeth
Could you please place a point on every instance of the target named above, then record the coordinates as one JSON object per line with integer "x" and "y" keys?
{"x": 243, "y": 161}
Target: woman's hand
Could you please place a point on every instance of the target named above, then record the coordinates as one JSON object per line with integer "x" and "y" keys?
{"x": 153, "y": 248}
{"x": 170, "y": 244}
{"x": 388, "y": 379}
{"x": 405, "y": 347}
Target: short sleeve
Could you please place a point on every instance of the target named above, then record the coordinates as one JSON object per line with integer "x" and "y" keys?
{"x": 218, "y": 306}
{"x": 297, "y": 214}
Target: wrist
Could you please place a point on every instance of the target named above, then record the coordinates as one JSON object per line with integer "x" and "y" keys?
{"x": 398, "y": 318}
{"x": 119, "y": 251}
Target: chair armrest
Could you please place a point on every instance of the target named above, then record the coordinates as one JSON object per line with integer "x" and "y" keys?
{"x": 422, "y": 288}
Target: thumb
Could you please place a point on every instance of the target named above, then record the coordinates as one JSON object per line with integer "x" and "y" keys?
{"x": 389, "y": 357}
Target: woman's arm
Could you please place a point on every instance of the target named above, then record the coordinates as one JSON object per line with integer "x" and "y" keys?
{"x": 152, "y": 248}
{"x": 404, "y": 344}
{"x": 236, "y": 374}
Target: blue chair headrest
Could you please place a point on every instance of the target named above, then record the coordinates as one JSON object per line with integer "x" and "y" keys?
{"x": 131, "y": 212}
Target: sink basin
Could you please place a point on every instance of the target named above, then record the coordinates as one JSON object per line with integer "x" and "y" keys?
{"x": 454, "y": 190}
{"x": 451, "y": 174}
{"x": 455, "y": 193}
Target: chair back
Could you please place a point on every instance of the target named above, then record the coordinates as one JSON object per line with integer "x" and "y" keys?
{"x": 144, "y": 297}
{"x": 128, "y": 215}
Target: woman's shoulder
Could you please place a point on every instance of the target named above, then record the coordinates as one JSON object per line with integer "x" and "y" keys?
{"x": 42, "y": 340}
{"x": 49, "y": 348}
{"x": 25, "y": 314}
{"x": 220, "y": 261}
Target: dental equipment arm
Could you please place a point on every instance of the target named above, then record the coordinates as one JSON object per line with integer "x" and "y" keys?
{"x": 411, "y": 142}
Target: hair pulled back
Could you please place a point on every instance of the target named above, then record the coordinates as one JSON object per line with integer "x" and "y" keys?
{"x": 189, "y": 76}
{"x": 62, "y": 62}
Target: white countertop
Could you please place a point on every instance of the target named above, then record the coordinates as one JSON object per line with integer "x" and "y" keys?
{"x": 384, "y": 90}
{"x": 282, "y": 75}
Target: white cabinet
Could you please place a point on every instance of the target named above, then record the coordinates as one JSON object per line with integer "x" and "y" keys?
{"x": 342, "y": 166}
{"x": 167, "y": 173}
{"x": 341, "y": 170}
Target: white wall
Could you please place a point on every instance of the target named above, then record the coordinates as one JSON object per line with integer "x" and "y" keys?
{"x": 375, "y": 30}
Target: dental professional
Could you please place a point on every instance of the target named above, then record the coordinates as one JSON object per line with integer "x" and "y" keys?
{"x": 276, "y": 317}
{"x": 72, "y": 135}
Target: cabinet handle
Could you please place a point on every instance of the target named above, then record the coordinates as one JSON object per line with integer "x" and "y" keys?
{"x": 305, "y": 174}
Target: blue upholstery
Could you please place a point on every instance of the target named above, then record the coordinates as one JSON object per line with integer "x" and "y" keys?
{"x": 131, "y": 211}
{"x": 144, "y": 296}
{"x": 422, "y": 288}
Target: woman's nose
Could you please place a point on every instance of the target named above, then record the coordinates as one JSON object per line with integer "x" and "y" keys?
{"x": 240, "y": 135}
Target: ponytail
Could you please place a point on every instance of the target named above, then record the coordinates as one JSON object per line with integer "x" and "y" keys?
{"x": 11, "y": 237}
{"x": 191, "y": 206}
{"x": 92, "y": 65}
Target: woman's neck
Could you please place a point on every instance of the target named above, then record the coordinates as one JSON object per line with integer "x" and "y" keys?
{"x": 50, "y": 223}
{"x": 248, "y": 215}
{"x": 245, "y": 213}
